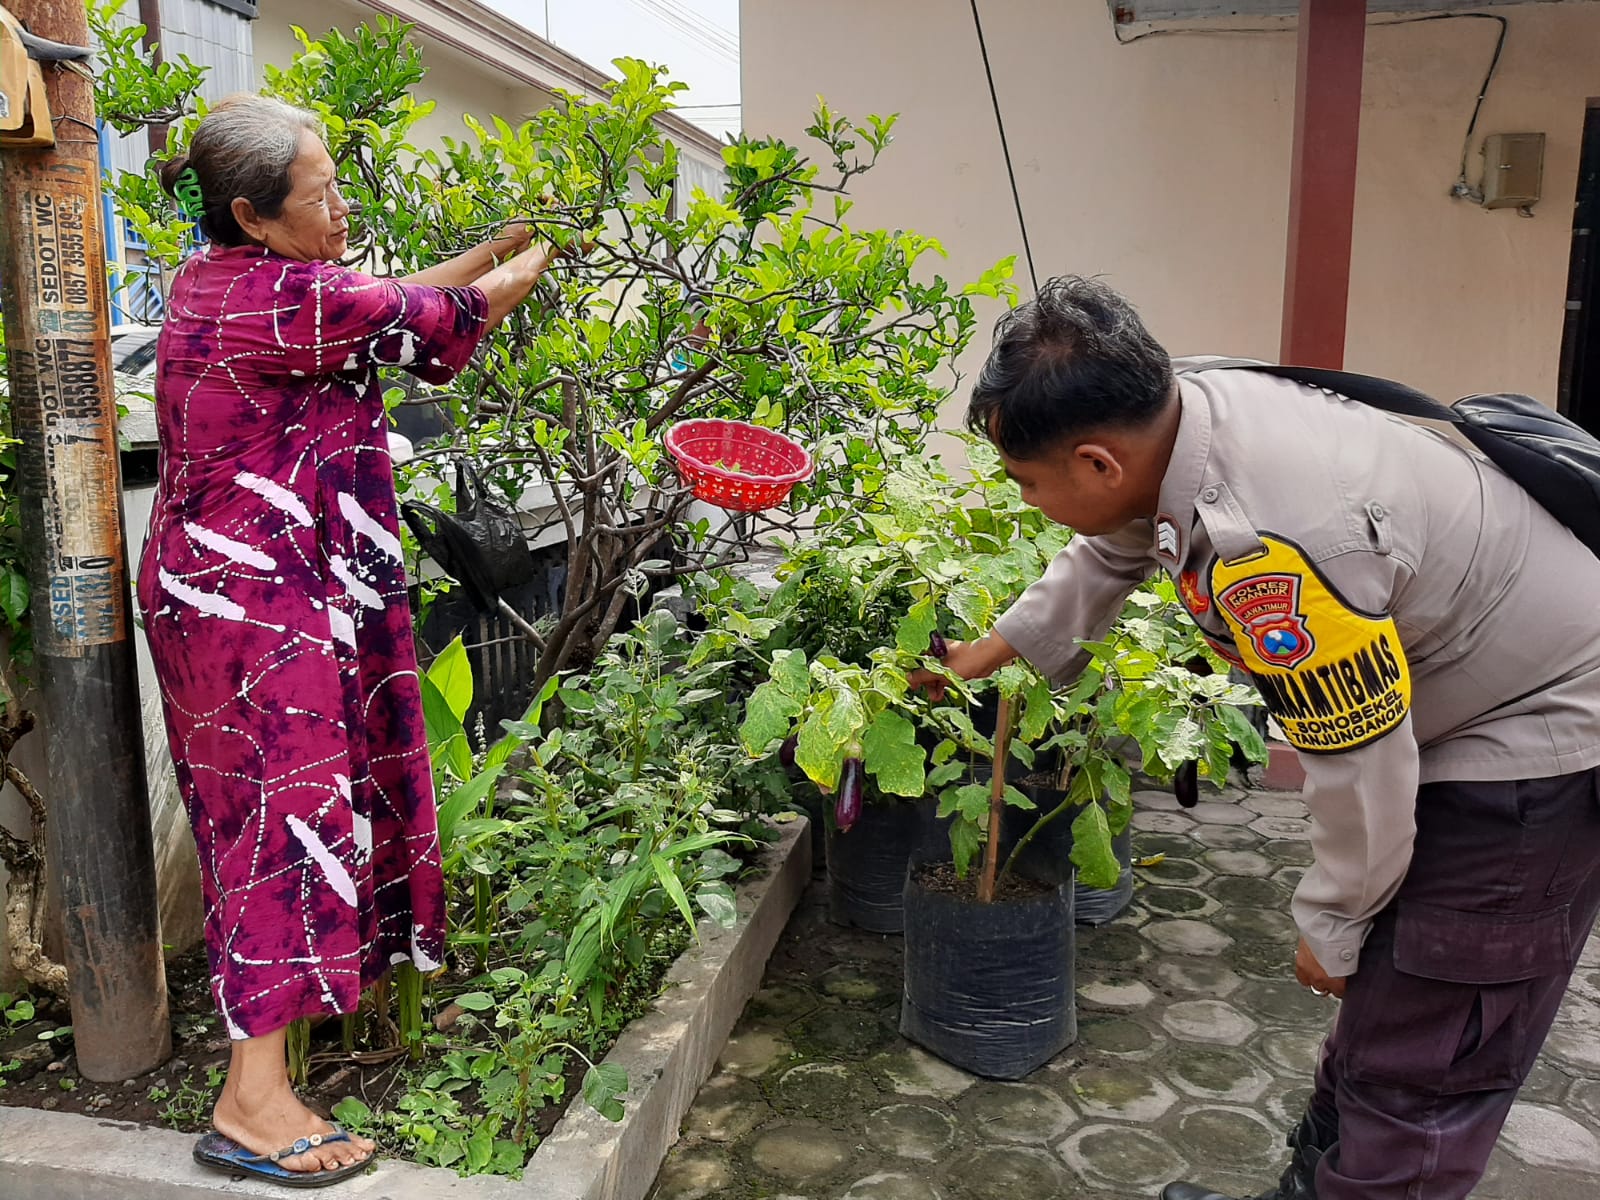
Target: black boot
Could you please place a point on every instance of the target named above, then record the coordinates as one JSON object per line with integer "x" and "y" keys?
{"x": 1308, "y": 1143}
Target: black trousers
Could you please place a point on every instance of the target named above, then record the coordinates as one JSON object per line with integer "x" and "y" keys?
{"x": 1458, "y": 984}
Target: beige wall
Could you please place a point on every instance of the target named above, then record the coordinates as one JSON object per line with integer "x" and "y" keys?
{"x": 1163, "y": 165}
{"x": 456, "y": 83}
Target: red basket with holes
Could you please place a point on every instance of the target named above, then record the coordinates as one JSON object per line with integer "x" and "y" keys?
{"x": 736, "y": 465}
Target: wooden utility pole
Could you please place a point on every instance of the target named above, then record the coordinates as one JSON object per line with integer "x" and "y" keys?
{"x": 52, "y": 261}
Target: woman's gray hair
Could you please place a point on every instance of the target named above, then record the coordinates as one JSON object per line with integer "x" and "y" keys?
{"x": 242, "y": 148}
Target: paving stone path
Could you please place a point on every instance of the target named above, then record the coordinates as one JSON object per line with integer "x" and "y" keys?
{"x": 1194, "y": 1054}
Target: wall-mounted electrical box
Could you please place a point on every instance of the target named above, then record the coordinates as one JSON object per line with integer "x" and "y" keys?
{"x": 1513, "y": 169}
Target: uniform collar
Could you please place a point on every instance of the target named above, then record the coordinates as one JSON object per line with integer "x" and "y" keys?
{"x": 1175, "y": 517}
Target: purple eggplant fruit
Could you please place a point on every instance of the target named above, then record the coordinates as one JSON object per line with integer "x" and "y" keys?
{"x": 852, "y": 781}
{"x": 937, "y": 646}
{"x": 786, "y": 751}
{"x": 1186, "y": 784}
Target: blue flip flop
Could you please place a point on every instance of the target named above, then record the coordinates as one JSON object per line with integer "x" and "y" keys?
{"x": 224, "y": 1154}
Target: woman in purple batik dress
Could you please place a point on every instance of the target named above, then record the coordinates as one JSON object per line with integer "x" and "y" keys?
{"x": 274, "y": 598}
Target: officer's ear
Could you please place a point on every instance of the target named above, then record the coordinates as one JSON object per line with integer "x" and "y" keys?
{"x": 1103, "y": 460}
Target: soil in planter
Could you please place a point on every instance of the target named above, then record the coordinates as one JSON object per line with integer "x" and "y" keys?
{"x": 942, "y": 880}
{"x": 43, "y": 1073}
{"x": 988, "y": 987}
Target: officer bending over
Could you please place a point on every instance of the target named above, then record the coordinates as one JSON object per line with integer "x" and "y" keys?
{"x": 1427, "y": 636}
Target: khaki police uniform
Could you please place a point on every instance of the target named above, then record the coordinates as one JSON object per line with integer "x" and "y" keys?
{"x": 1428, "y": 637}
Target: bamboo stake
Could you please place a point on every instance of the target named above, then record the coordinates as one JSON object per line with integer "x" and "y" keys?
{"x": 997, "y": 802}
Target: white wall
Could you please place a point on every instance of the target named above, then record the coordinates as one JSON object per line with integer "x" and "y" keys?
{"x": 1163, "y": 165}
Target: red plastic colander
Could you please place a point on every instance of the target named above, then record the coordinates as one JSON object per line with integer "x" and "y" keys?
{"x": 737, "y": 465}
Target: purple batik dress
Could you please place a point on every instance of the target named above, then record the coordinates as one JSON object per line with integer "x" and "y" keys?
{"x": 274, "y": 598}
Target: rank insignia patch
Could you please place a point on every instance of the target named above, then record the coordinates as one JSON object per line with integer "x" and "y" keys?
{"x": 1167, "y": 540}
{"x": 1194, "y": 599}
{"x": 1334, "y": 677}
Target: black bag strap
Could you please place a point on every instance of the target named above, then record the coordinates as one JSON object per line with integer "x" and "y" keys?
{"x": 1383, "y": 394}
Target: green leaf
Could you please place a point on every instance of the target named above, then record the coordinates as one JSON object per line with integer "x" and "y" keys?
{"x": 1242, "y": 732}
{"x": 1091, "y": 849}
{"x": 718, "y": 905}
{"x": 13, "y": 594}
{"x": 1038, "y": 710}
{"x": 352, "y": 1112}
{"x": 1118, "y": 786}
{"x": 911, "y": 635}
{"x": 602, "y": 1085}
{"x": 451, "y": 673}
{"x": 464, "y": 801}
{"x": 475, "y": 1001}
{"x": 890, "y": 751}
{"x": 673, "y": 885}
{"x": 965, "y": 842}
{"x": 791, "y": 674}
{"x": 768, "y": 715}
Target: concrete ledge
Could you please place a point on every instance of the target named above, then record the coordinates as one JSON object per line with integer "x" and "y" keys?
{"x": 667, "y": 1053}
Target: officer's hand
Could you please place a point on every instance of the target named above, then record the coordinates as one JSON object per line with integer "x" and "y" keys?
{"x": 965, "y": 660}
{"x": 1310, "y": 973}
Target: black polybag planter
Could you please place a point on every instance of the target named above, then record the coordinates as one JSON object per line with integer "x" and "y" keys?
{"x": 989, "y": 987}
{"x": 867, "y": 867}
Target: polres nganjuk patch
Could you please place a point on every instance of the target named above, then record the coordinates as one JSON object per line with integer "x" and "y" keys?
{"x": 1334, "y": 677}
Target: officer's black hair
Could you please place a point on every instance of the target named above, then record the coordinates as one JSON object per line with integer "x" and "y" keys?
{"x": 1075, "y": 358}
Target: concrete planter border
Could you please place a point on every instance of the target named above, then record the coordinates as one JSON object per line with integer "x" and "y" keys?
{"x": 668, "y": 1053}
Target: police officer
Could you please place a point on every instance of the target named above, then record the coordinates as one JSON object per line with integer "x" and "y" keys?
{"x": 1426, "y": 635}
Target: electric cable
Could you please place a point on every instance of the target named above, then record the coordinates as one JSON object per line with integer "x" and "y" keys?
{"x": 1005, "y": 148}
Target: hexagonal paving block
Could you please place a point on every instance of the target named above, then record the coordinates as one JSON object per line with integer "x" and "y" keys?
{"x": 822, "y": 1089}
{"x": 691, "y": 1173}
{"x": 1215, "y": 1022}
{"x": 1015, "y": 1112}
{"x": 1238, "y": 862}
{"x": 1286, "y": 1104}
{"x": 1123, "y": 1091}
{"x": 1207, "y": 977}
{"x": 1578, "y": 1011}
{"x": 1297, "y": 854}
{"x": 911, "y": 1131}
{"x": 1172, "y": 844}
{"x": 1545, "y": 1085}
{"x": 1290, "y": 829}
{"x": 857, "y": 983}
{"x": 891, "y": 1185}
{"x": 1245, "y": 892}
{"x": 1585, "y": 1096}
{"x": 781, "y": 1003}
{"x": 1121, "y": 1037}
{"x": 1546, "y": 1137}
{"x": 1219, "y": 812}
{"x": 840, "y": 1031}
{"x": 1009, "y": 1172}
{"x": 1274, "y": 804}
{"x": 1256, "y": 925}
{"x": 1186, "y": 937}
{"x": 908, "y": 1070}
{"x": 726, "y": 1109}
{"x": 1272, "y": 961}
{"x": 1160, "y": 801}
{"x": 1162, "y": 822}
{"x": 1295, "y": 1051}
{"x": 1227, "y": 1136}
{"x": 1227, "y": 837}
{"x": 1284, "y": 1003}
{"x": 1121, "y": 993}
{"x": 1578, "y": 1048}
{"x": 1289, "y": 876}
{"x": 799, "y": 1151}
{"x": 1121, "y": 1158}
{"x": 1214, "y": 1074}
{"x": 753, "y": 1052}
{"x": 1113, "y": 946}
{"x": 1175, "y": 872}
{"x": 1177, "y": 901}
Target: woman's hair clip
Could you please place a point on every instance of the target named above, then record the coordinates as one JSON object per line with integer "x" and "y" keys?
{"x": 187, "y": 190}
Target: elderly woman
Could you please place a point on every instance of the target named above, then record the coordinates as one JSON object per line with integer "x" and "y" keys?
{"x": 274, "y": 597}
